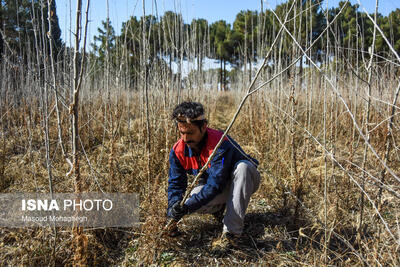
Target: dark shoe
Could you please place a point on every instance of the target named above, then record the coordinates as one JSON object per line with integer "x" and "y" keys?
{"x": 226, "y": 242}
{"x": 219, "y": 215}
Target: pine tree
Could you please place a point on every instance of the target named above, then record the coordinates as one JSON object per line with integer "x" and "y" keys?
{"x": 18, "y": 19}
{"x": 222, "y": 47}
{"x": 56, "y": 30}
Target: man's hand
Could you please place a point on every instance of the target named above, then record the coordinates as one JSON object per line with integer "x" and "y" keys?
{"x": 178, "y": 211}
{"x": 172, "y": 229}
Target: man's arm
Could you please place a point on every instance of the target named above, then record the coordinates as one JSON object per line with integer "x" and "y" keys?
{"x": 219, "y": 175}
{"x": 177, "y": 181}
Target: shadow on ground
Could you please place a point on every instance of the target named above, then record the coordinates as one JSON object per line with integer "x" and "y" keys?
{"x": 267, "y": 235}
{"x": 264, "y": 232}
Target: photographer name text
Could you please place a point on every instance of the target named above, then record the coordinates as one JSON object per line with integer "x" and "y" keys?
{"x": 53, "y": 218}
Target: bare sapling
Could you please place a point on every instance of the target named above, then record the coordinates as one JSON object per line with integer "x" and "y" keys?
{"x": 79, "y": 236}
{"x": 367, "y": 122}
{"x": 146, "y": 94}
{"x": 50, "y": 16}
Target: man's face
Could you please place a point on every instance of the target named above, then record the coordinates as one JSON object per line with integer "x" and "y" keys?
{"x": 191, "y": 134}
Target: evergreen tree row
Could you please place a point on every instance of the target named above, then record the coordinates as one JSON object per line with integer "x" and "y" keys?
{"x": 170, "y": 39}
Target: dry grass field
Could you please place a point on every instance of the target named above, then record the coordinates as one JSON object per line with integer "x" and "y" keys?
{"x": 320, "y": 114}
{"x": 322, "y": 199}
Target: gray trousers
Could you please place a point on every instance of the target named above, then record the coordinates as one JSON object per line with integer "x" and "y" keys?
{"x": 236, "y": 195}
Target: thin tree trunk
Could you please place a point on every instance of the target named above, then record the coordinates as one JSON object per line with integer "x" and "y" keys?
{"x": 80, "y": 237}
{"x": 53, "y": 72}
{"x": 54, "y": 84}
{"x": 220, "y": 74}
{"x": 224, "y": 76}
{"x": 146, "y": 94}
{"x": 367, "y": 118}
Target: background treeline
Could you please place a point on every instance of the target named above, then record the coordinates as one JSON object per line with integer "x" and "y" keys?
{"x": 246, "y": 42}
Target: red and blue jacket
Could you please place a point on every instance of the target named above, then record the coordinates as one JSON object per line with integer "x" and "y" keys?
{"x": 183, "y": 161}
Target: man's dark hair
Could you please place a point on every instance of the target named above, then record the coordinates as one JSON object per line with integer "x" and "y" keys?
{"x": 190, "y": 110}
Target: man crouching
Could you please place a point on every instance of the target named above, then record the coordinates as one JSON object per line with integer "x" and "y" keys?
{"x": 229, "y": 181}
